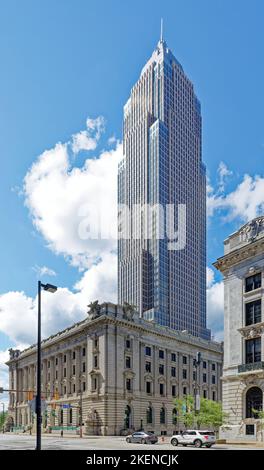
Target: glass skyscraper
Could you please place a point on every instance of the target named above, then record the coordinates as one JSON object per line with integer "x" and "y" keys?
{"x": 162, "y": 165}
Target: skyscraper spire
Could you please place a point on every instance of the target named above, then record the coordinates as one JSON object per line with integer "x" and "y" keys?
{"x": 161, "y": 30}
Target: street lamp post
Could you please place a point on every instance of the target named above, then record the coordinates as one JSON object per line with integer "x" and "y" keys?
{"x": 141, "y": 424}
{"x": 197, "y": 362}
{"x": 49, "y": 288}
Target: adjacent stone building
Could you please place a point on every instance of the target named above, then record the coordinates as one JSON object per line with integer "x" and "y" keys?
{"x": 117, "y": 371}
{"x": 243, "y": 374}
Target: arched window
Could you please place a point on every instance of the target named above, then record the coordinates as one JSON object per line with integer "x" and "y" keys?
{"x": 149, "y": 415}
{"x": 174, "y": 416}
{"x": 254, "y": 400}
{"x": 162, "y": 415}
{"x": 127, "y": 417}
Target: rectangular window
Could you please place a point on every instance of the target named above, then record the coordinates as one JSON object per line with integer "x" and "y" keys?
{"x": 148, "y": 387}
{"x": 128, "y": 384}
{"x": 253, "y": 282}
{"x": 148, "y": 351}
{"x": 56, "y": 361}
{"x": 194, "y": 375}
{"x": 148, "y": 366}
{"x": 213, "y": 379}
{"x": 73, "y": 370}
{"x": 213, "y": 366}
{"x": 56, "y": 375}
{"x": 253, "y": 350}
{"x": 83, "y": 367}
{"x": 184, "y": 373}
{"x": 48, "y": 364}
{"x": 83, "y": 351}
{"x": 161, "y": 354}
{"x": 173, "y": 390}
{"x": 94, "y": 383}
{"x": 204, "y": 378}
{"x": 64, "y": 358}
{"x": 74, "y": 388}
{"x": 161, "y": 387}
{"x": 95, "y": 362}
{"x": 173, "y": 357}
{"x": 73, "y": 354}
{"x": 64, "y": 372}
{"x": 253, "y": 312}
{"x": 184, "y": 390}
{"x": 184, "y": 359}
{"x": 214, "y": 396}
{"x": 161, "y": 369}
{"x": 84, "y": 386}
{"x": 204, "y": 364}
{"x": 128, "y": 362}
{"x": 205, "y": 394}
{"x": 128, "y": 344}
{"x": 173, "y": 371}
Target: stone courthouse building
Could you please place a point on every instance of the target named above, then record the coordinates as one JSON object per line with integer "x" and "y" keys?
{"x": 116, "y": 371}
{"x": 243, "y": 374}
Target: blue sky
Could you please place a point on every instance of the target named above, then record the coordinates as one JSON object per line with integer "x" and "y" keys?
{"x": 64, "y": 60}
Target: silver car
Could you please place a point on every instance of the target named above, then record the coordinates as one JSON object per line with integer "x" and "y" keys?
{"x": 197, "y": 438}
{"x": 142, "y": 437}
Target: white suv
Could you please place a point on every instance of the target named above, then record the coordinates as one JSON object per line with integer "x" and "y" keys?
{"x": 194, "y": 437}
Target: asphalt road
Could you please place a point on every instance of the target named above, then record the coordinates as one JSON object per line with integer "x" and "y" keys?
{"x": 24, "y": 442}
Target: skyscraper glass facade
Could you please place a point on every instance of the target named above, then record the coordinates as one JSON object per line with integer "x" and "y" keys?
{"x": 162, "y": 165}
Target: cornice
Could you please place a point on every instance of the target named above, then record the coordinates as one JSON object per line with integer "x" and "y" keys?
{"x": 241, "y": 254}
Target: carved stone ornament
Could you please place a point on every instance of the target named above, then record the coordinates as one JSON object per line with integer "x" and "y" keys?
{"x": 252, "y": 229}
{"x": 252, "y": 332}
{"x": 129, "y": 311}
{"x": 95, "y": 310}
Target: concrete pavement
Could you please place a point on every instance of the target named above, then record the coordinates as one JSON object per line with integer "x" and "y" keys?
{"x": 10, "y": 441}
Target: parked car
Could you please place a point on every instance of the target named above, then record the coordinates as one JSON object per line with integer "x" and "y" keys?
{"x": 194, "y": 437}
{"x": 142, "y": 437}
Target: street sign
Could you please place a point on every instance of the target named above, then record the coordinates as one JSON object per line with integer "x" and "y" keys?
{"x": 66, "y": 406}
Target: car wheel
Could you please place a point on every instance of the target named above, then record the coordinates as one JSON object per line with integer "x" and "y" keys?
{"x": 128, "y": 440}
{"x": 143, "y": 441}
{"x": 174, "y": 442}
{"x": 197, "y": 443}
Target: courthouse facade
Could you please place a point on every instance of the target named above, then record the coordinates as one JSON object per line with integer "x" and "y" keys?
{"x": 243, "y": 374}
{"x": 113, "y": 372}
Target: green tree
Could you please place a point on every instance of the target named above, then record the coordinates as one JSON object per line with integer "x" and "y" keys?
{"x": 210, "y": 414}
{"x": 3, "y": 417}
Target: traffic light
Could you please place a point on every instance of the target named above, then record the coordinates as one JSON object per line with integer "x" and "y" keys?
{"x": 30, "y": 395}
{"x": 1, "y": 390}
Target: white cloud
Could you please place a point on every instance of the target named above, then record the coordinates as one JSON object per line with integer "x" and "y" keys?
{"x": 88, "y": 139}
{"x": 223, "y": 173}
{"x": 42, "y": 271}
{"x": 245, "y": 202}
{"x": 62, "y": 198}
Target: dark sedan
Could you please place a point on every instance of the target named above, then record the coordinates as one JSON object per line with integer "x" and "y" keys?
{"x": 142, "y": 437}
